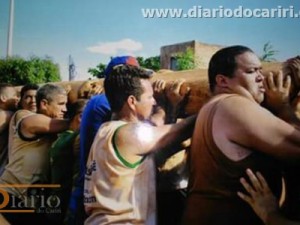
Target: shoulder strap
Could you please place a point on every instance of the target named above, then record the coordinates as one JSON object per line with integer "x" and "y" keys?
{"x": 18, "y": 123}
{"x": 124, "y": 161}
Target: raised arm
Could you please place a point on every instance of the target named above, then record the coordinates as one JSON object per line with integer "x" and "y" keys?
{"x": 36, "y": 124}
{"x": 158, "y": 116}
{"x": 278, "y": 98}
{"x": 170, "y": 101}
{"x": 249, "y": 125}
{"x": 138, "y": 139}
{"x": 177, "y": 99}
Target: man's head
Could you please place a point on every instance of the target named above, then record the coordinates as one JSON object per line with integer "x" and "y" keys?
{"x": 8, "y": 97}
{"x": 51, "y": 101}
{"x": 236, "y": 69}
{"x": 120, "y": 60}
{"x": 75, "y": 111}
{"x": 130, "y": 86}
{"x": 28, "y": 97}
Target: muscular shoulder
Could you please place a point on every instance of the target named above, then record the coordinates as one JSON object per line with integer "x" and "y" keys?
{"x": 129, "y": 141}
{"x": 235, "y": 107}
{"x": 242, "y": 121}
{"x": 20, "y": 114}
{"x": 134, "y": 133}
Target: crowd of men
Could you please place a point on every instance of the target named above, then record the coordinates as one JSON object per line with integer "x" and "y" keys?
{"x": 97, "y": 161}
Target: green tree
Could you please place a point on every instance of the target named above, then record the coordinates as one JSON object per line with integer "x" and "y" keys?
{"x": 18, "y": 71}
{"x": 268, "y": 53}
{"x": 186, "y": 60}
{"x": 98, "y": 71}
{"x": 152, "y": 63}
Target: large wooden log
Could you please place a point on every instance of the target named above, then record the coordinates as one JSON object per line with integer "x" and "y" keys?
{"x": 196, "y": 80}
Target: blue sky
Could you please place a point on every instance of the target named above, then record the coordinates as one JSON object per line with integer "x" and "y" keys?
{"x": 92, "y": 31}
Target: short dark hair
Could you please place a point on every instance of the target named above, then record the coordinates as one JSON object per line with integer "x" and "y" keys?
{"x": 48, "y": 91}
{"x": 76, "y": 107}
{"x": 224, "y": 62}
{"x": 28, "y": 87}
{"x": 123, "y": 81}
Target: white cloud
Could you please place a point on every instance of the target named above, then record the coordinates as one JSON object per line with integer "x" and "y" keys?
{"x": 112, "y": 48}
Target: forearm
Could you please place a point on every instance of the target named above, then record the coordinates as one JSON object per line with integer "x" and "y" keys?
{"x": 58, "y": 125}
{"x": 182, "y": 130}
{"x": 42, "y": 124}
{"x": 171, "y": 114}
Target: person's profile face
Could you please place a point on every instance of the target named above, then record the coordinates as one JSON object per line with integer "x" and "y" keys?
{"x": 57, "y": 107}
{"x": 248, "y": 78}
{"x": 145, "y": 105}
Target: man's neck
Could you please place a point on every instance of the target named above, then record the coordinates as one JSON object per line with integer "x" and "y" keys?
{"x": 124, "y": 117}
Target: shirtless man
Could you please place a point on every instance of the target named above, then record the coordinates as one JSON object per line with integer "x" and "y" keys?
{"x": 120, "y": 175}
{"x": 8, "y": 104}
{"x": 232, "y": 133}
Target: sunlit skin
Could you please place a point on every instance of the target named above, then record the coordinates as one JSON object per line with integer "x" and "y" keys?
{"x": 144, "y": 133}
{"x": 28, "y": 101}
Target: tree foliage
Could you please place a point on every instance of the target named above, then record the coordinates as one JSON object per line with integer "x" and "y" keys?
{"x": 18, "y": 71}
{"x": 98, "y": 71}
{"x": 152, "y": 63}
{"x": 186, "y": 60}
{"x": 268, "y": 53}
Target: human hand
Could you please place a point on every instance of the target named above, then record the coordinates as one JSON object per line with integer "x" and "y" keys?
{"x": 158, "y": 92}
{"x": 261, "y": 199}
{"x": 277, "y": 91}
{"x": 291, "y": 67}
{"x": 67, "y": 88}
{"x": 96, "y": 88}
{"x": 90, "y": 88}
{"x": 174, "y": 96}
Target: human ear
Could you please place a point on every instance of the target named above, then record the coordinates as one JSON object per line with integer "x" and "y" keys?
{"x": 222, "y": 81}
{"x": 3, "y": 98}
{"x": 43, "y": 103}
{"x": 131, "y": 101}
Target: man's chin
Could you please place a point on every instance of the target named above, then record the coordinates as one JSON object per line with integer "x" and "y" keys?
{"x": 33, "y": 109}
{"x": 260, "y": 99}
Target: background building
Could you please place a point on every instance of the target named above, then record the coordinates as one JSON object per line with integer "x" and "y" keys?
{"x": 202, "y": 54}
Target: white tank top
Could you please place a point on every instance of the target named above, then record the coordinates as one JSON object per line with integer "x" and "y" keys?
{"x": 115, "y": 191}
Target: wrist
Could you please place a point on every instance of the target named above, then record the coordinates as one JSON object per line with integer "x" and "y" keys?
{"x": 273, "y": 217}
